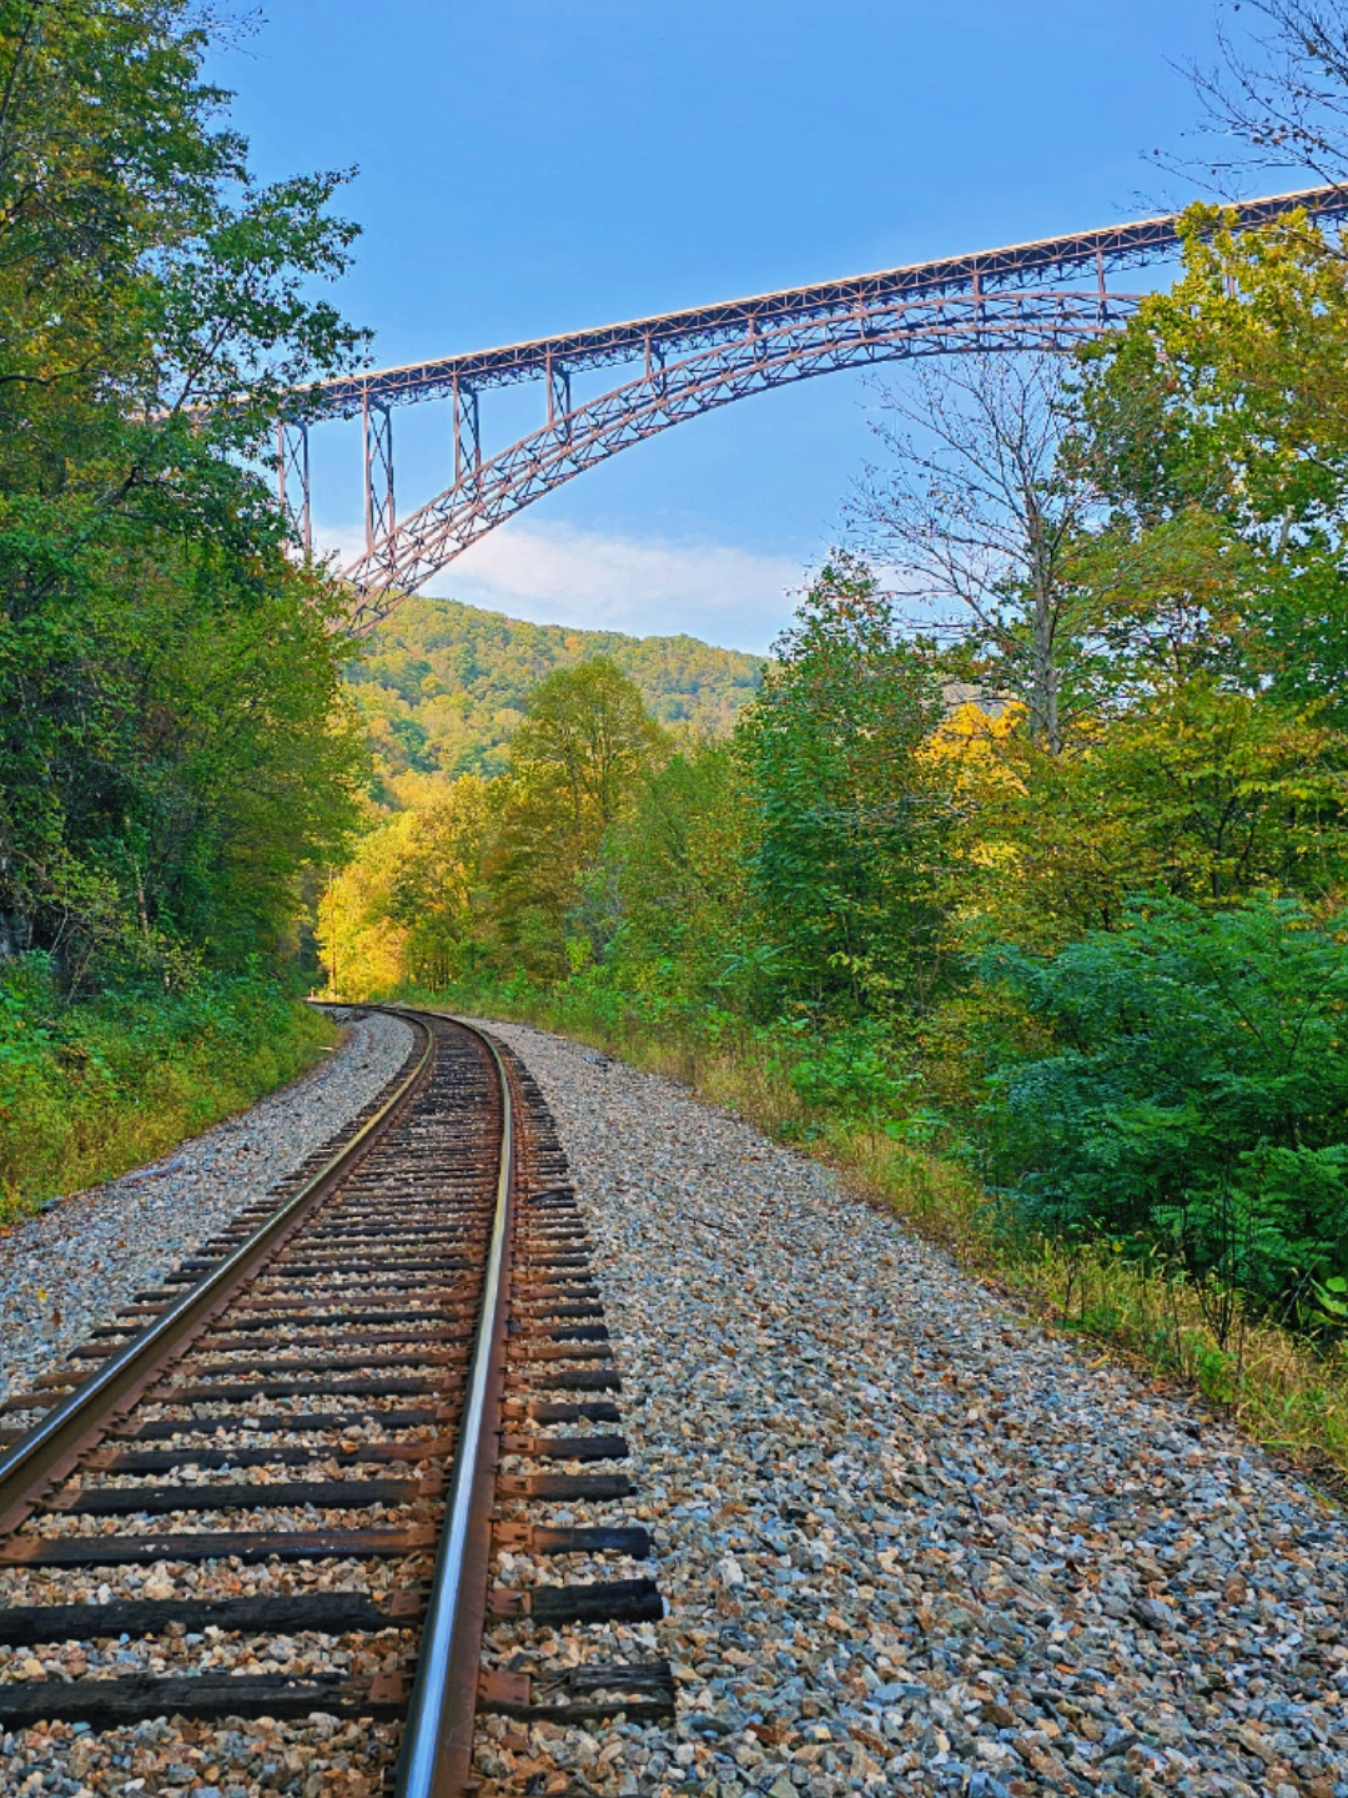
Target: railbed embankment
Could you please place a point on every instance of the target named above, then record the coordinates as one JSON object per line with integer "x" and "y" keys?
{"x": 62, "y": 1271}
{"x": 910, "y": 1540}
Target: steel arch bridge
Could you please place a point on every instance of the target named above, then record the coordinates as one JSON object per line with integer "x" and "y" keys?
{"x": 682, "y": 364}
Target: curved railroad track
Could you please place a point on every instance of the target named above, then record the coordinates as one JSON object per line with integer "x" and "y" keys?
{"x": 338, "y": 1439}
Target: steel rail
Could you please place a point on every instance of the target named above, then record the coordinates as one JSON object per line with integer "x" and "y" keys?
{"x": 437, "y": 1748}
{"x": 52, "y": 1447}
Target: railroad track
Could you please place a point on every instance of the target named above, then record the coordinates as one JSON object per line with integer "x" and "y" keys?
{"x": 338, "y": 1439}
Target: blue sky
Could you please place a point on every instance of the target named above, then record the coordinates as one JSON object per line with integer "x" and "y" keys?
{"x": 527, "y": 167}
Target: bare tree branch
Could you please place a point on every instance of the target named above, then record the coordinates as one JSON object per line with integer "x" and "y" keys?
{"x": 1276, "y": 96}
{"x": 978, "y": 512}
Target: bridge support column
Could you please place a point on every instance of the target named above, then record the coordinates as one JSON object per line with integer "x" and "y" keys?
{"x": 559, "y": 397}
{"x": 292, "y": 478}
{"x": 380, "y": 516}
{"x": 655, "y": 363}
{"x": 1100, "y": 286}
{"x": 467, "y": 436}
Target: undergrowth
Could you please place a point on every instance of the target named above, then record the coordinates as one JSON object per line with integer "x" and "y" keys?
{"x": 1285, "y": 1391}
{"x": 89, "y": 1090}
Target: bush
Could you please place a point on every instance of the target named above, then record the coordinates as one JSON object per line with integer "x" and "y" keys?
{"x": 1196, "y": 1095}
{"x": 849, "y": 1074}
{"x": 89, "y": 1090}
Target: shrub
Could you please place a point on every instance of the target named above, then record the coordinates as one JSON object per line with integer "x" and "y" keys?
{"x": 89, "y": 1090}
{"x": 1196, "y": 1093}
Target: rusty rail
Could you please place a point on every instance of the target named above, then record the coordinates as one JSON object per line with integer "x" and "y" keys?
{"x": 52, "y": 1448}
{"x": 437, "y": 1744}
{"x": 473, "y": 1199}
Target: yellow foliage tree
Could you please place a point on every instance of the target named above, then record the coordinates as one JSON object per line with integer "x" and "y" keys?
{"x": 1198, "y": 791}
{"x": 403, "y": 913}
{"x": 360, "y": 950}
{"x": 577, "y": 762}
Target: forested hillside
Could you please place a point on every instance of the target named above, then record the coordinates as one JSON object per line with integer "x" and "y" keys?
{"x": 443, "y": 686}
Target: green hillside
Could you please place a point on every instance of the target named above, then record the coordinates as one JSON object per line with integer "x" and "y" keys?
{"x": 443, "y": 685}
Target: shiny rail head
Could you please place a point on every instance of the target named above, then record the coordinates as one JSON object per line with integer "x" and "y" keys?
{"x": 436, "y": 1758}
{"x": 44, "y": 1451}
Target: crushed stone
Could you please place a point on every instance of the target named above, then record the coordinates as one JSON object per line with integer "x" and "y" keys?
{"x": 66, "y": 1270}
{"x": 908, "y": 1540}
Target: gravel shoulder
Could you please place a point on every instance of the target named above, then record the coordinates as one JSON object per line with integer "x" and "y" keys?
{"x": 910, "y": 1542}
{"x": 64, "y": 1271}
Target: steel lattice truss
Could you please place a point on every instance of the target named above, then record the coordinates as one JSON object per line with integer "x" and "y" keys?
{"x": 488, "y": 493}
{"x": 687, "y": 363}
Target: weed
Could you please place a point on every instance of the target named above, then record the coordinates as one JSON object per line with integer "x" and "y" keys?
{"x": 87, "y": 1091}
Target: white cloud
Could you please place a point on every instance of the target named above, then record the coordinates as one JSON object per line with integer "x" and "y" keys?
{"x": 555, "y": 574}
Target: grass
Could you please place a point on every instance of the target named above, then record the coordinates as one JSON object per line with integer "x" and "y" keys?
{"x": 1283, "y": 1391}
{"x": 88, "y": 1092}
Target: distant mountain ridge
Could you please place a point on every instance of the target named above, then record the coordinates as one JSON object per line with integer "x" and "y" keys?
{"x": 442, "y": 685}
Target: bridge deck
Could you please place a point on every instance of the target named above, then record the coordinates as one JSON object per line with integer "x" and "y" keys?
{"x": 1014, "y": 266}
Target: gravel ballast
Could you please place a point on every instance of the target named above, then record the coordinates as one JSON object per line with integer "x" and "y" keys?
{"x": 66, "y": 1270}
{"x": 908, "y": 1540}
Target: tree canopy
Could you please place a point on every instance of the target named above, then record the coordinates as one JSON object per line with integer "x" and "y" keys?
{"x": 1061, "y": 884}
{"x": 442, "y": 686}
{"x": 175, "y": 747}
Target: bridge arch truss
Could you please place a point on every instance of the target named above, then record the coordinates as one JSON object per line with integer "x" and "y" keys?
{"x": 680, "y": 365}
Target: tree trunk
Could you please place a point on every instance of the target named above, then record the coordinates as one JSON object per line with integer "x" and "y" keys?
{"x": 1044, "y": 725}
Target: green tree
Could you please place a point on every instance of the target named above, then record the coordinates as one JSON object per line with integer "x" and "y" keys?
{"x": 1198, "y": 791}
{"x": 851, "y": 814}
{"x": 1217, "y": 423}
{"x": 1210, "y": 760}
{"x": 435, "y": 889}
{"x": 586, "y": 735}
{"x": 576, "y": 764}
{"x": 407, "y": 908}
{"x": 983, "y": 512}
{"x": 1193, "y": 1092}
{"x": 173, "y": 746}
{"x": 680, "y": 866}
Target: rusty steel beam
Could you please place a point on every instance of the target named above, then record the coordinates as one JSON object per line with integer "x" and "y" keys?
{"x": 1051, "y": 261}
{"x": 428, "y": 540}
{"x": 292, "y": 478}
{"x": 689, "y": 362}
{"x": 377, "y": 431}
